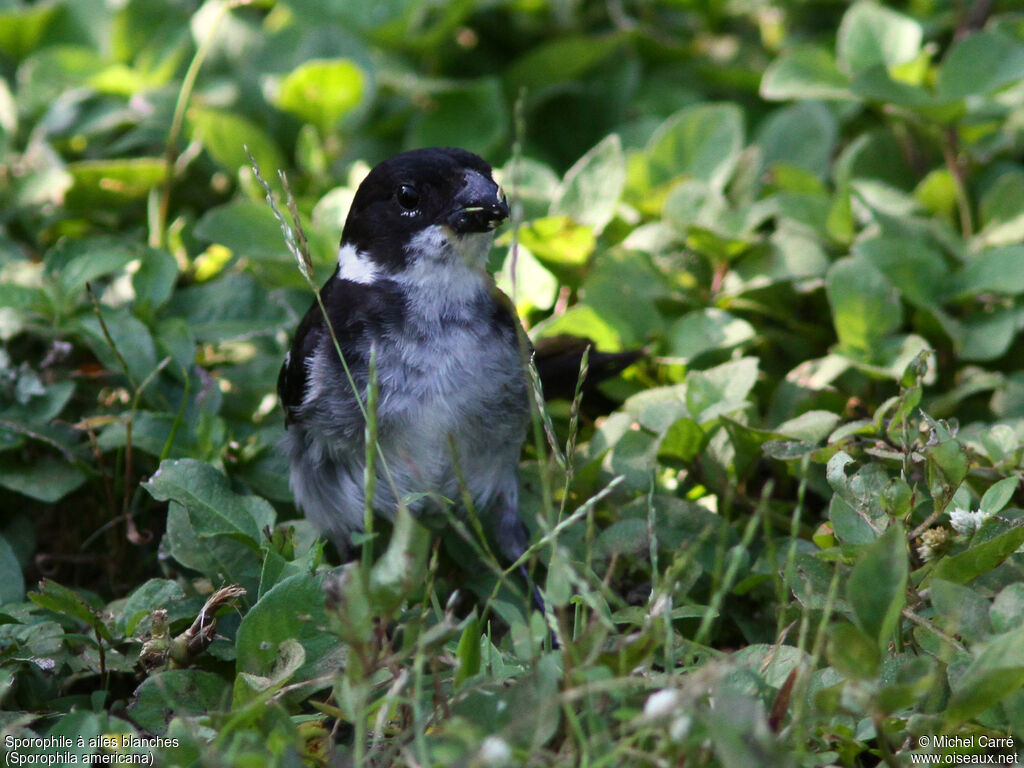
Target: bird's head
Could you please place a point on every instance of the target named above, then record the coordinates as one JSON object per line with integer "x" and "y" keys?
{"x": 428, "y": 207}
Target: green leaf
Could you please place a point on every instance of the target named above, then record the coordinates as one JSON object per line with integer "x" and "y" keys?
{"x": 707, "y": 329}
{"x": 177, "y": 692}
{"x": 911, "y": 266}
{"x": 245, "y": 227}
{"x": 402, "y": 567}
{"x": 590, "y": 192}
{"x": 154, "y": 280}
{"x": 130, "y": 337}
{"x": 292, "y": 610}
{"x": 472, "y": 115}
{"x": 996, "y": 270}
{"x": 321, "y": 92}
{"x": 802, "y": 136}
{"x": 996, "y": 670}
{"x": 12, "y": 583}
{"x": 998, "y": 495}
{"x": 853, "y": 653}
{"x": 877, "y": 585}
{"x": 865, "y": 307}
{"x": 979, "y": 559}
{"x": 871, "y": 34}
{"x": 231, "y": 307}
{"x": 806, "y": 72}
{"x": 468, "y": 652}
{"x": 1007, "y": 611}
{"x": 701, "y": 142}
{"x": 215, "y": 509}
{"x": 148, "y": 597}
{"x": 558, "y": 241}
{"x": 563, "y": 59}
{"x": 947, "y": 464}
{"x": 21, "y": 28}
{"x": 720, "y": 390}
{"x": 980, "y": 64}
{"x": 72, "y": 263}
{"x": 534, "y": 286}
{"x": 112, "y": 183}
{"x": 225, "y": 135}
{"x": 682, "y": 441}
{"x": 59, "y": 599}
{"x": 47, "y": 478}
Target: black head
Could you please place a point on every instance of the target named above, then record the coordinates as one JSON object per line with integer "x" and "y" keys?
{"x": 442, "y": 187}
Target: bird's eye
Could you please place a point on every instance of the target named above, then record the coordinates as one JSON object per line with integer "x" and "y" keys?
{"x": 408, "y": 197}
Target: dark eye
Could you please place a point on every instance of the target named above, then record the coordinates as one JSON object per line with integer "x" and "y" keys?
{"x": 408, "y": 197}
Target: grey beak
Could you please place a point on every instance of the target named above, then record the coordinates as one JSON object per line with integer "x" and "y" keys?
{"x": 480, "y": 205}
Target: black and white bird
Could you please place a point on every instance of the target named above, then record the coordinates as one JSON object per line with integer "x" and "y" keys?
{"x": 412, "y": 284}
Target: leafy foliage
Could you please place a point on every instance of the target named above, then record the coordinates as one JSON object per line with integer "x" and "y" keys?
{"x": 796, "y": 537}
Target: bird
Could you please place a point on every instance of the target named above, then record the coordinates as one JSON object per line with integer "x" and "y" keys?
{"x": 412, "y": 292}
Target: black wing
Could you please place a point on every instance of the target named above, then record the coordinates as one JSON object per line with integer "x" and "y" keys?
{"x": 358, "y": 314}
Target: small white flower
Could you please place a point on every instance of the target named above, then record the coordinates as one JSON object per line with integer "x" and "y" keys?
{"x": 661, "y": 704}
{"x": 495, "y": 751}
{"x": 966, "y": 522}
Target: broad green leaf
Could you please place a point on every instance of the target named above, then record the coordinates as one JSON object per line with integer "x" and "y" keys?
{"x": 853, "y": 653}
{"x": 707, "y": 329}
{"x": 231, "y": 307}
{"x": 591, "y": 189}
{"x": 533, "y": 287}
{"x": 877, "y": 585}
{"x": 997, "y": 270}
{"x": 657, "y": 408}
{"x": 181, "y": 692}
{"x": 291, "y": 610}
{"x": 865, "y": 308}
{"x": 558, "y": 241}
{"x": 979, "y": 559}
{"x": 806, "y": 72}
{"x": 472, "y": 115}
{"x": 468, "y": 652}
{"x": 564, "y": 58}
{"x": 59, "y": 599}
{"x": 1007, "y": 611}
{"x": 112, "y": 183}
{"x": 321, "y": 92}
{"x": 701, "y": 142}
{"x": 802, "y": 135}
{"x": 720, "y": 390}
{"x": 73, "y": 263}
{"x": 12, "y": 583}
{"x": 946, "y": 468}
{"x": 214, "y": 507}
{"x": 996, "y": 670}
{"x": 682, "y": 441}
{"x": 402, "y": 567}
{"x": 21, "y": 28}
{"x": 225, "y": 135}
{"x": 224, "y": 559}
{"x": 871, "y": 34}
{"x": 582, "y": 320}
{"x": 959, "y": 610}
{"x": 47, "y": 478}
{"x": 246, "y": 228}
{"x": 911, "y": 266}
{"x": 812, "y": 426}
{"x": 154, "y": 280}
{"x": 980, "y": 64}
{"x": 999, "y": 494}
{"x": 148, "y": 597}
{"x": 129, "y": 336}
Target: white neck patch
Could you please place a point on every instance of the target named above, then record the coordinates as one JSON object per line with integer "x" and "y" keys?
{"x": 356, "y": 266}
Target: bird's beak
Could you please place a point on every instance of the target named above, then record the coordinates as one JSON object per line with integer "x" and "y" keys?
{"x": 480, "y": 205}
